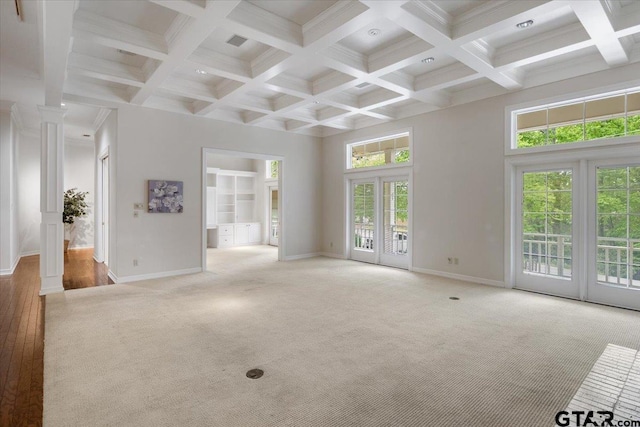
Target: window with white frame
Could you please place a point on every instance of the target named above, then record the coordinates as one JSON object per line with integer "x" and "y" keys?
{"x": 610, "y": 115}
{"x": 379, "y": 152}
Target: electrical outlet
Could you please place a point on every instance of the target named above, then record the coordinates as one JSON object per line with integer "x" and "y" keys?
{"x": 450, "y": 260}
{"x": 138, "y": 206}
{"x": 135, "y": 262}
{"x": 136, "y": 214}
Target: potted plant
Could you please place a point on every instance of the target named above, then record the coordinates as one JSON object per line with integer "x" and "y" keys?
{"x": 75, "y": 206}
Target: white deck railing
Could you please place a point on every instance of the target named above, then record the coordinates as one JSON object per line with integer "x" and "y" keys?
{"x": 550, "y": 254}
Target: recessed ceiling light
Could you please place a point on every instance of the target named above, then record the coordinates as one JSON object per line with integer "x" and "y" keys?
{"x": 316, "y": 102}
{"x": 199, "y": 71}
{"x": 525, "y": 24}
{"x": 429, "y": 59}
{"x": 62, "y": 104}
{"x": 374, "y": 32}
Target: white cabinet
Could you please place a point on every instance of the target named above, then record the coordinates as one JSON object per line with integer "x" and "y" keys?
{"x": 242, "y": 234}
{"x": 231, "y": 207}
{"x": 237, "y": 234}
{"x": 255, "y": 233}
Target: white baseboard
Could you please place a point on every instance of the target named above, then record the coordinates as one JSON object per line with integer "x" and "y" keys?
{"x": 80, "y": 247}
{"x": 30, "y": 253}
{"x": 332, "y": 255}
{"x": 112, "y": 276}
{"x": 303, "y": 256}
{"x": 138, "y": 277}
{"x": 462, "y": 277}
{"x": 9, "y": 271}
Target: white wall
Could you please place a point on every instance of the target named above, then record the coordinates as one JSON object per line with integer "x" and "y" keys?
{"x": 153, "y": 144}
{"x": 458, "y": 177}
{"x": 230, "y": 162}
{"x": 79, "y": 165}
{"x": 9, "y": 243}
{"x": 29, "y": 189}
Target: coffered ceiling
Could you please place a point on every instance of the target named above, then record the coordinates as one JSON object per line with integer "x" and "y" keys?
{"x": 322, "y": 67}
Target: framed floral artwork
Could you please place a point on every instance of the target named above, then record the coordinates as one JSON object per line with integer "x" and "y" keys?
{"x": 165, "y": 196}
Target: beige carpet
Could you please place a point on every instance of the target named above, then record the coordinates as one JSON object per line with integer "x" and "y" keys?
{"x": 341, "y": 343}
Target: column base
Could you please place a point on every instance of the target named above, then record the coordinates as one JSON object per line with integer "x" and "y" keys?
{"x": 51, "y": 285}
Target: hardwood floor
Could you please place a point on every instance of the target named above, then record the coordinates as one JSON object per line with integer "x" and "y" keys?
{"x": 22, "y": 333}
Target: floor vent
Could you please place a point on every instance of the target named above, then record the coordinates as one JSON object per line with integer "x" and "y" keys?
{"x": 254, "y": 374}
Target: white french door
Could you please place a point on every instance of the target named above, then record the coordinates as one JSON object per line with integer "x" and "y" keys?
{"x": 379, "y": 221}
{"x": 547, "y": 230}
{"x": 578, "y": 230}
{"x": 614, "y": 233}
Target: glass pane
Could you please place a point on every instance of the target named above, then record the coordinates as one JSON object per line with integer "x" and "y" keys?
{"x": 363, "y": 216}
{"x": 395, "y": 221}
{"x": 618, "y": 225}
{"x": 547, "y": 223}
{"x": 605, "y": 117}
{"x": 274, "y": 214}
{"x": 532, "y": 138}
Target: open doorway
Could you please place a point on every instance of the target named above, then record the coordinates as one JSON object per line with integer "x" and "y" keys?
{"x": 238, "y": 205}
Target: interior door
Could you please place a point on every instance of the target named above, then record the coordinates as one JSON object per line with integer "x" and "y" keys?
{"x": 274, "y": 221}
{"x": 614, "y": 233}
{"x": 547, "y": 231}
{"x": 363, "y": 237}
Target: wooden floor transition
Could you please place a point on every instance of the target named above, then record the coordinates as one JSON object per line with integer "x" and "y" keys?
{"x": 22, "y": 332}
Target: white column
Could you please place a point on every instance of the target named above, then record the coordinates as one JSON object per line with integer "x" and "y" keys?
{"x": 51, "y": 199}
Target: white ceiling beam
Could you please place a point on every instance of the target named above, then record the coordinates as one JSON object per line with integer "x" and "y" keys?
{"x": 494, "y": 16}
{"x": 337, "y": 22}
{"x": 220, "y": 65}
{"x": 399, "y": 55}
{"x": 185, "y": 43}
{"x": 545, "y": 46}
{"x": 106, "y": 70}
{"x": 256, "y": 23}
{"x": 58, "y": 18}
{"x": 88, "y": 26}
{"x": 184, "y": 7}
{"x": 597, "y": 21}
{"x": 445, "y": 77}
{"x": 95, "y": 91}
{"x": 190, "y": 89}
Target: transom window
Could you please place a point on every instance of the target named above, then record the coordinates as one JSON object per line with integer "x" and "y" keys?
{"x": 610, "y": 115}
{"x": 272, "y": 169}
{"x": 379, "y": 152}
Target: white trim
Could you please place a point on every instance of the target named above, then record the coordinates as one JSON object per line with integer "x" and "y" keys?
{"x": 462, "y": 277}
{"x": 30, "y": 253}
{"x": 302, "y": 256}
{"x": 111, "y": 275}
{"x": 10, "y": 271}
{"x": 80, "y": 247}
{"x": 332, "y": 255}
{"x": 139, "y": 277}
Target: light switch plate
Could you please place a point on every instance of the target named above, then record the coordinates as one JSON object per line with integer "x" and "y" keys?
{"x": 138, "y": 206}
